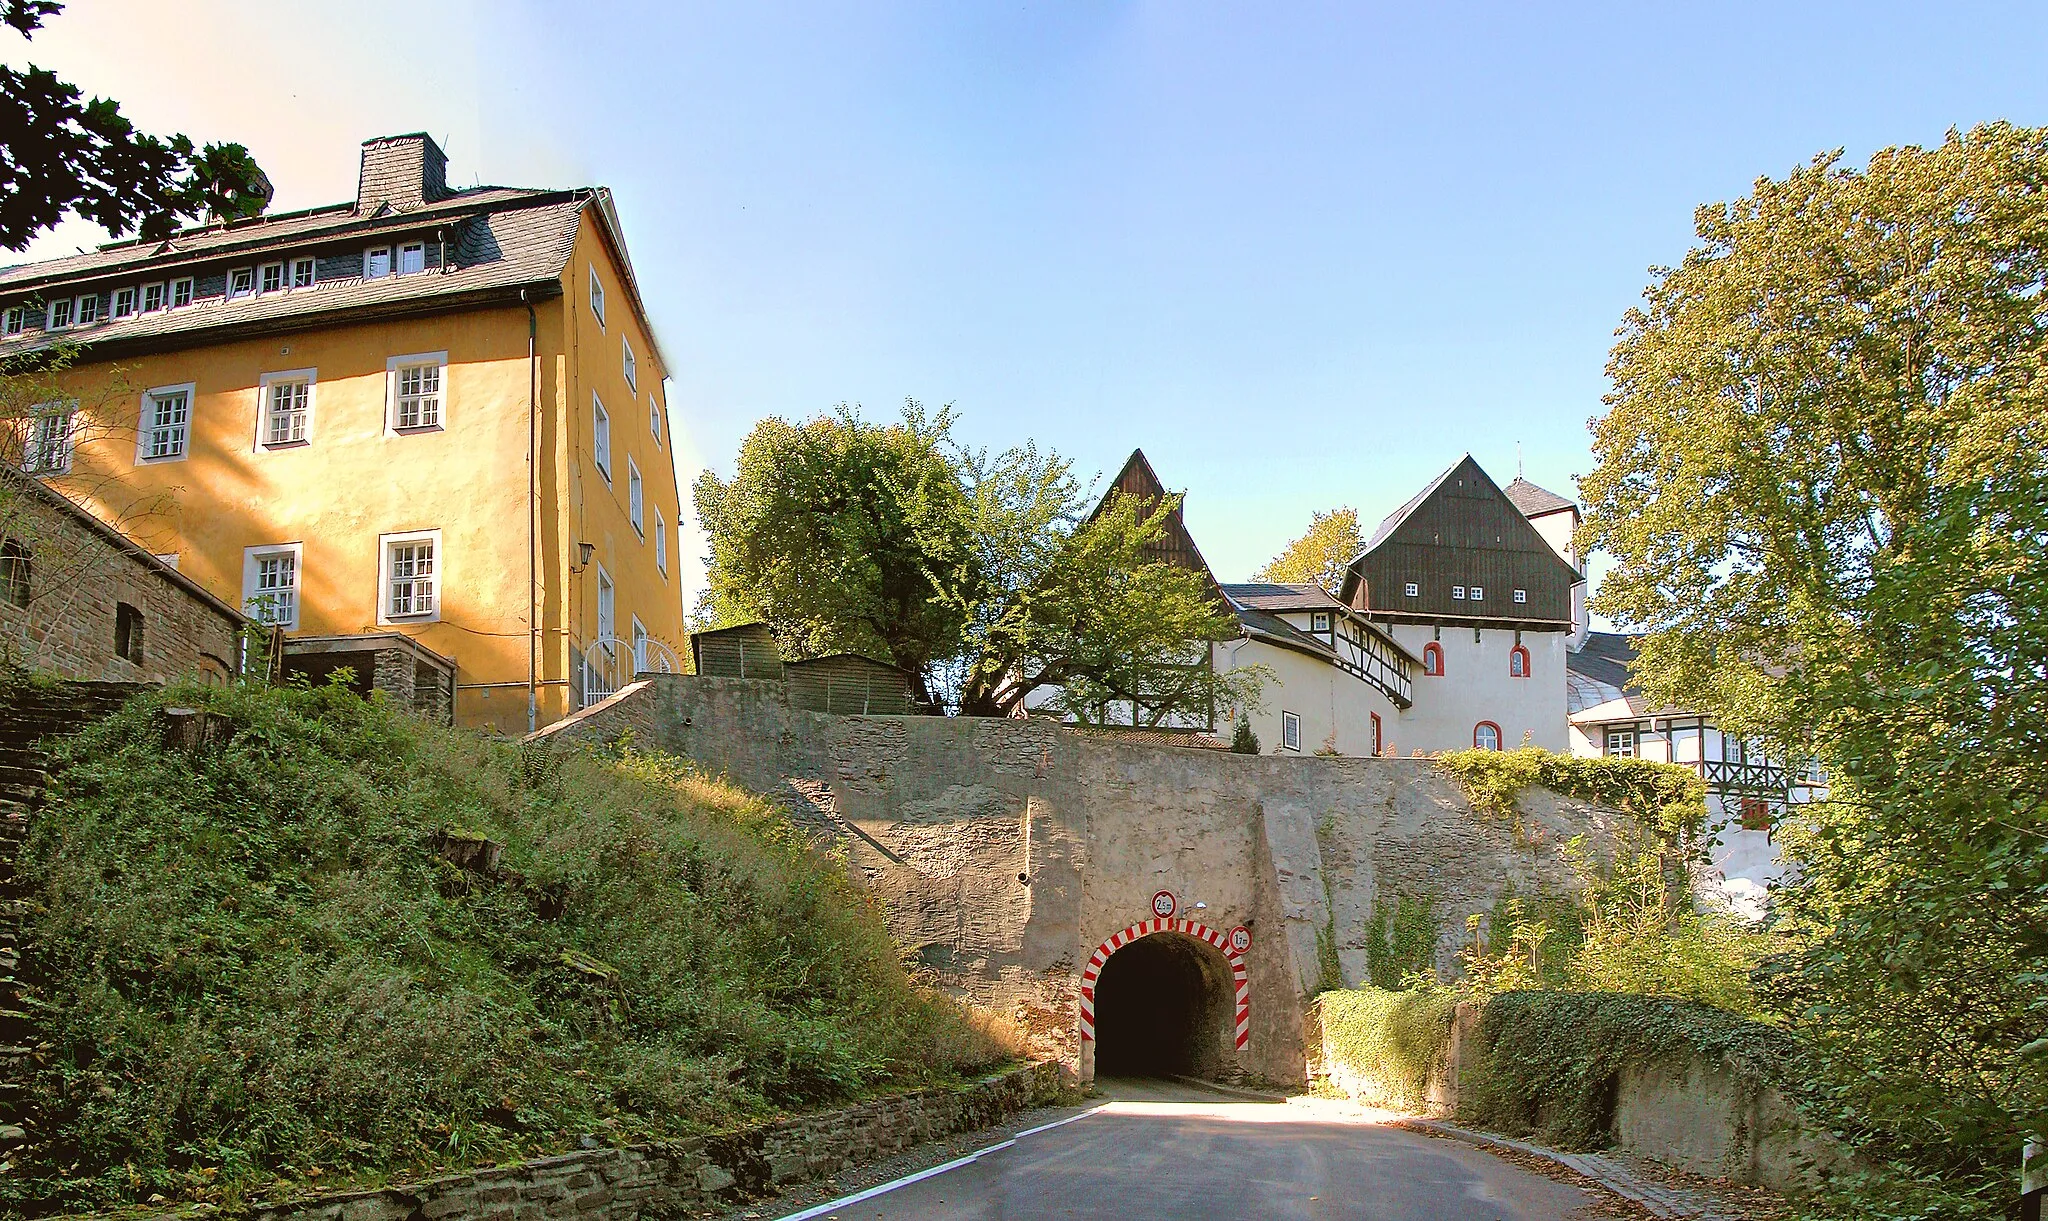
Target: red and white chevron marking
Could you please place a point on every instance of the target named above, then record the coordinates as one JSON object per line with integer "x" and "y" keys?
{"x": 1145, "y": 928}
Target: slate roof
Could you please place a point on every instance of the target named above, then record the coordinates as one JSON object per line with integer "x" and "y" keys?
{"x": 1258, "y": 605}
{"x": 1264, "y": 595}
{"x": 499, "y": 239}
{"x": 1260, "y": 625}
{"x": 1393, "y": 520}
{"x": 1534, "y": 501}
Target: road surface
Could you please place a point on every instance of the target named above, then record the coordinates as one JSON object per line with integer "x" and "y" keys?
{"x": 1161, "y": 1151}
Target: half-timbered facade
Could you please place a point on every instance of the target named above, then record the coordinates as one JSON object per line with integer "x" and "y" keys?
{"x": 1338, "y": 684}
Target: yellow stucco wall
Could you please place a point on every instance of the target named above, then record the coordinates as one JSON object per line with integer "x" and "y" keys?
{"x": 356, "y": 480}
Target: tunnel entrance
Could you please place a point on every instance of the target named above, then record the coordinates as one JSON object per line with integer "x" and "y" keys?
{"x": 1163, "y": 1007}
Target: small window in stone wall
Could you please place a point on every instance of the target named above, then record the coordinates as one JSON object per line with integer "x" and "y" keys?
{"x": 128, "y": 632}
{"x": 15, "y": 564}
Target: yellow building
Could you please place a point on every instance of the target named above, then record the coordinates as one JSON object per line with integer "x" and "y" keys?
{"x": 332, "y": 417}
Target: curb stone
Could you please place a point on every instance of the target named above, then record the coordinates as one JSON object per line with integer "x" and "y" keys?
{"x": 1658, "y": 1200}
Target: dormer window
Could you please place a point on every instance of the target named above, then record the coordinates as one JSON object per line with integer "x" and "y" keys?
{"x": 152, "y": 298}
{"x": 1433, "y": 659}
{"x": 412, "y": 258}
{"x": 88, "y": 308}
{"x": 270, "y": 278}
{"x": 60, "y": 315}
{"x": 304, "y": 272}
{"x": 181, "y": 292}
{"x": 241, "y": 282}
{"x": 17, "y": 320}
{"x": 1319, "y": 621}
{"x": 123, "y": 304}
{"x": 376, "y": 262}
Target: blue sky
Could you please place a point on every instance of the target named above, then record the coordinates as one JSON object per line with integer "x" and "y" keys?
{"x": 1305, "y": 258}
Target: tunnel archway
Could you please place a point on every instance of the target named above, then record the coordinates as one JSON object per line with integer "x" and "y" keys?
{"x": 1165, "y": 1005}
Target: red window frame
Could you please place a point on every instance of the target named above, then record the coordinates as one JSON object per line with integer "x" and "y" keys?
{"x": 1433, "y": 660}
{"x": 1518, "y": 653}
{"x": 1377, "y": 748}
{"x": 1498, "y": 741}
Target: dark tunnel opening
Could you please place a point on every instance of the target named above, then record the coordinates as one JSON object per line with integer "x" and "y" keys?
{"x": 1162, "y": 1009}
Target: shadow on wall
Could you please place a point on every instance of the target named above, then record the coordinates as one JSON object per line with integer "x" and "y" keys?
{"x": 1163, "y": 1008}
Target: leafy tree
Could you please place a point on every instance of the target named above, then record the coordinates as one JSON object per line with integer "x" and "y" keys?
{"x": 1823, "y": 476}
{"x": 1320, "y": 556}
{"x": 893, "y": 541}
{"x": 68, "y": 155}
{"x": 837, "y": 533}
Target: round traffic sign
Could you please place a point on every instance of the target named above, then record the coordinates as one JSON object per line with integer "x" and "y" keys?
{"x": 1240, "y": 939}
{"x": 1163, "y": 904}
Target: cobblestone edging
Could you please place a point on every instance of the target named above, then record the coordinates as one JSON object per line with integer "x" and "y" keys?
{"x": 1656, "y": 1199}
{"x": 658, "y": 1180}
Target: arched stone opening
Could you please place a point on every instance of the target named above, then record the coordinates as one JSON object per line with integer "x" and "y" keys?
{"x": 1164, "y": 1006}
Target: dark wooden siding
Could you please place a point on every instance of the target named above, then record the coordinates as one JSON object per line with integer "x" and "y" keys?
{"x": 1467, "y": 532}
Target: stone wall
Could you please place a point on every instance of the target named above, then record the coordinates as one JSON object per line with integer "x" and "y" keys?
{"x": 1005, "y": 851}
{"x": 80, "y": 573}
{"x": 660, "y": 1180}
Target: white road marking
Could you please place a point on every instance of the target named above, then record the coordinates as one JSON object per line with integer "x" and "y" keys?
{"x": 847, "y": 1201}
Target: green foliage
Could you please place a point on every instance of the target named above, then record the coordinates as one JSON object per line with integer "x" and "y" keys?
{"x": 1395, "y": 1040}
{"x": 1242, "y": 740}
{"x": 1663, "y": 798}
{"x": 261, "y": 968}
{"x": 1623, "y": 928}
{"x": 895, "y": 542}
{"x": 66, "y": 155}
{"x": 1319, "y": 557}
{"x": 1400, "y": 940}
{"x": 1551, "y": 1059}
{"x": 1823, "y": 477}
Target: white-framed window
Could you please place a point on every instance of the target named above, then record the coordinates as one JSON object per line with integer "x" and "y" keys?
{"x": 1290, "y": 731}
{"x": 630, "y": 366}
{"x": 654, "y": 420}
{"x": 1521, "y": 595}
{"x": 1319, "y": 621}
{"x": 636, "y": 497}
{"x": 270, "y": 583}
{"x": 639, "y": 645}
{"x": 270, "y": 278}
{"x": 376, "y": 262}
{"x": 59, "y": 315}
{"x": 1413, "y": 590}
{"x": 123, "y": 305}
{"x": 17, "y": 320}
{"x": 304, "y": 273}
{"x": 1478, "y": 593}
{"x": 165, "y": 432}
{"x": 286, "y": 414}
{"x": 412, "y": 258}
{"x": 241, "y": 282}
{"x": 1458, "y": 593}
{"x": 1486, "y": 736}
{"x": 1621, "y": 743}
{"x": 88, "y": 308}
{"x": 607, "y": 605}
{"x": 46, "y": 440}
{"x": 660, "y": 543}
{"x": 153, "y": 298}
{"x": 409, "y": 577}
{"x": 596, "y": 296}
{"x": 181, "y": 292}
{"x": 601, "y": 436}
{"x": 416, "y": 393}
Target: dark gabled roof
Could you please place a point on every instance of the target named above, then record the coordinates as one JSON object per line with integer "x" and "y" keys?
{"x": 1137, "y": 478}
{"x": 1261, "y": 625}
{"x": 1266, "y": 595}
{"x": 1516, "y": 537}
{"x": 1393, "y": 520}
{"x": 1534, "y": 501}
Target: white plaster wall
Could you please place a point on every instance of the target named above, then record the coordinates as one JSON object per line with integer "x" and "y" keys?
{"x": 1327, "y": 698}
{"x": 1476, "y": 687}
{"x": 1556, "y": 529}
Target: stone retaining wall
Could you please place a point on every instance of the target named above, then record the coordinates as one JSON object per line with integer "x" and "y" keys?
{"x": 658, "y": 1180}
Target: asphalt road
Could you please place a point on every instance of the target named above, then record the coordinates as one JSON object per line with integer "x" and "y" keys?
{"x": 1161, "y": 1150}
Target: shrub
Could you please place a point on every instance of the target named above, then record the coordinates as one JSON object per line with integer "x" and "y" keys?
{"x": 261, "y": 968}
{"x": 1394, "y": 1041}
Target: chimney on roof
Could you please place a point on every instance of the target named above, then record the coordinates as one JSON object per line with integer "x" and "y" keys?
{"x": 403, "y": 171}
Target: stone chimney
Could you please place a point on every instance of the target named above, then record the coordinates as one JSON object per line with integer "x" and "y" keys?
{"x": 402, "y": 171}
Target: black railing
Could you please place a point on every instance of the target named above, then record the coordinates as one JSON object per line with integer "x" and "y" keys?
{"x": 1758, "y": 778}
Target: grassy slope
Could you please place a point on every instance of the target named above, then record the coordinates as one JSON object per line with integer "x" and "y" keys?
{"x": 264, "y": 970}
